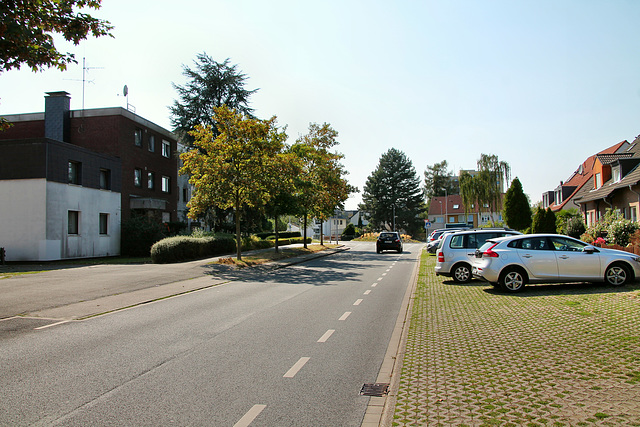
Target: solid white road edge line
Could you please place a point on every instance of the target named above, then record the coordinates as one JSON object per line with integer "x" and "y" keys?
{"x": 53, "y": 324}
{"x": 326, "y": 335}
{"x": 250, "y": 416}
{"x": 295, "y": 368}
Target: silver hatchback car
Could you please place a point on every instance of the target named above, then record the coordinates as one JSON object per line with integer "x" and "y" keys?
{"x": 457, "y": 251}
{"x": 512, "y": 262}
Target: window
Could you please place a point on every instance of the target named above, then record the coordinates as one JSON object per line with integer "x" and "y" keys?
{"x": 456, "y": 206}
{"x": 166, "y": 184}
{"x": 104, "y": 223}
{"x": 632, "y": 213}
{"x": 137, "y": 177}
{"x": 598, "y": 180}
{"x": 150, "y": 180}
{"x": 184, "y": 195}
{"x": 105, "y": 179}
{"x": 457, "y": 242}
{"x": 75, "y": 169}
{"x": 152, "y": 143}
{"x": 137, "y": 137}
{"x": 166, "y": 149}
{"x": 558, "y": 197}
{"x": 566, "y": 245}
{"x": 73, "y": 220}
{"x": 616, "y": 174}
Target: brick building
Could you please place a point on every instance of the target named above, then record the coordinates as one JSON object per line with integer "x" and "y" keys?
{"x": 109, "y": 150}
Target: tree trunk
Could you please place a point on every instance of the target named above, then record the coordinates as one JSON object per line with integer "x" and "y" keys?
{"x": 305, "y": 231}
{"x": 238, "y": 236}
{"x": 276, "y": 229}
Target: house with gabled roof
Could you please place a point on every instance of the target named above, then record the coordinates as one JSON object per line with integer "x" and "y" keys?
{"x": 615, "y": 184}
{"x": 562, "y": 197}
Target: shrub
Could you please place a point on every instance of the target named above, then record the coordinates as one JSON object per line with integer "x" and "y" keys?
{"x": 281, "y": 235}
{"x": 620, "y": 231}
{"x": 574, "y": 227}
{"x": 138, "y": 235}
{"x": 186, "y": 248}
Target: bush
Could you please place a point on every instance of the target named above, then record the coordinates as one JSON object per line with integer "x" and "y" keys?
{"x": 574, "y": 227}
{"x": 138, "y": 235}
{"x": 186, "y": 248}
{"x": 350, "y": 230}
{"x": 620, "y": 231}
{"x": 613, "y": 227}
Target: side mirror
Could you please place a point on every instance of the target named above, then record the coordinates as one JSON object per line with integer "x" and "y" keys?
{"x": 589, "y": 249}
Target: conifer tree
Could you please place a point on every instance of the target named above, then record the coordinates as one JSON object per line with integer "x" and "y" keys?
{"x": 516, "y": 211}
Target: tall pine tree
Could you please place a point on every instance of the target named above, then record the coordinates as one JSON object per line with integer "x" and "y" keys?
{"x": 394, "y": 187}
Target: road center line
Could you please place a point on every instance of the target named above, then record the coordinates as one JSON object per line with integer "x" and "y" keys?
{"x": 367, "y": 292}
{"x": 345, "y": 315}
{"x": 326, "y": 335}
{"x": 379, "y": 279}
{"x": 250, "y": 416}
{"x": 295, "y": 368}
{"x": 374, "y": 285}
{"x": 358, "y": 301}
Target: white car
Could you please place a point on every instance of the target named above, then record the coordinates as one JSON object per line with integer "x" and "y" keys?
{"x": 457, "y": 251}
{"x": 512, "y": 262}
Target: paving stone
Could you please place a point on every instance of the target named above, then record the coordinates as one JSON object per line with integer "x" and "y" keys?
{"x": 554, "y": 355}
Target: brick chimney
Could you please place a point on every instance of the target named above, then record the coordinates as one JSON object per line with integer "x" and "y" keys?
{"x": 57, "y": 116}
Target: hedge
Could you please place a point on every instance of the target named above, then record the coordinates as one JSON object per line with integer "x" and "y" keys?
{"x": 281, "y": 235}
{"x": 185, "y": 248}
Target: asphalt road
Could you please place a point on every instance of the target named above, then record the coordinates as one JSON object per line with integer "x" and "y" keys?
{"x": 288, "y": 348}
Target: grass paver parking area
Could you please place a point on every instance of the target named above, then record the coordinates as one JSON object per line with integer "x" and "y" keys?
{"x": 552, "y": 355}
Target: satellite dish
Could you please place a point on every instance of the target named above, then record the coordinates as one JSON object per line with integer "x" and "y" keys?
{"x": 125, "y": 90}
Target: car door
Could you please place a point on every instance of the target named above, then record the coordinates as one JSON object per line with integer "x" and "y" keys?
{"x": 538, "y": 257}
{"x": 573, "y": 263}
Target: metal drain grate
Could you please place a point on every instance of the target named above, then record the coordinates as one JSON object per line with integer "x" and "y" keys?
{"x": 377, "y": 389}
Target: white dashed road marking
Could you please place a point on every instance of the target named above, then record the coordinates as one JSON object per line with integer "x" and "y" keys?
{"x": 358, "y": 301}
{"x": 250, "y": 416}
{"x": 326, "y": 335}
{"x": 345, "y": 315}
{"x": 295, "y": 368}
{"x": 367, "y": 292}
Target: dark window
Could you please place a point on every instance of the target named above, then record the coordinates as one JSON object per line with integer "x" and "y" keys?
{"x": 150, "y": 180}
{"x": 184, "y": 194}
{"x": 104, "y": 223}
{"x": 152, "y": 143}
{"x": 137, "y": 177}
{"x": 73, "y": 222}
{"x": 535, "y": 244}
{"x": 105, "y": 179}
{"x": 75, "y": 172}
{"x": 137, "y": 137}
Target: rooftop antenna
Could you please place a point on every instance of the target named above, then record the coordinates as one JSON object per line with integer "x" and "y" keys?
{"x": 84, "y": 78}
{"x": 125, "y": 92}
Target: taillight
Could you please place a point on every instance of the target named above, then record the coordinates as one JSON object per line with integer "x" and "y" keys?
{"x": 440, "y": 257}
{"x": 489, "y": 253}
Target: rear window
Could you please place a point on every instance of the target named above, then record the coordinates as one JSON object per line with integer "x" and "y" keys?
{"x": 387, "y": 236}
{"x": 486, "y": 246}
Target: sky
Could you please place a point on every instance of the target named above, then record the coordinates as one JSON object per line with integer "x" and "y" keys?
{"x": 542, "y": 84}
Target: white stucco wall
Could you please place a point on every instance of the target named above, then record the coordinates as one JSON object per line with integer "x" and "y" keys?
{"x": 34, "y": 221}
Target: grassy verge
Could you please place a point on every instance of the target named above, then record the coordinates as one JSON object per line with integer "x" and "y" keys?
{"x": 271, "y": 255}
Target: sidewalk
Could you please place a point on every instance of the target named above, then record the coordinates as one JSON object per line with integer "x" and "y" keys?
{"x": 76, "y": 293}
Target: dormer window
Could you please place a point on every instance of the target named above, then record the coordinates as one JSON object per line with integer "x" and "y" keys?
{"x": 456, "y": 206}
{"x": 598, "y": 182}
{"x": 617, "y": 176}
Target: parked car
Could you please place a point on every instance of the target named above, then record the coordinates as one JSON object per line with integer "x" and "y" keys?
{"x": 389, "y": 240}
{"x": 512, "y": 262}
{"x": 457, "y": 251}
{"x": 436, "y": 237}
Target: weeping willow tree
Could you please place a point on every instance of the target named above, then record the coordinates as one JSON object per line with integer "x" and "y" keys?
{"x": 485, "y": 187}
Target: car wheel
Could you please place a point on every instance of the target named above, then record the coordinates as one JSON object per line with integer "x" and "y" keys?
{"x": 617, "y": 275}
{"x": 461, "y": 273}
{"x": 512, "y": 280}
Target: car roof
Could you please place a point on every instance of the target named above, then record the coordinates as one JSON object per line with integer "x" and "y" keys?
{"x": 516, "y": 236}
{"x": 480, "y": 230}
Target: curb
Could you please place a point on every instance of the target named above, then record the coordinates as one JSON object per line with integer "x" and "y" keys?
{"x": 380, "y": 410}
